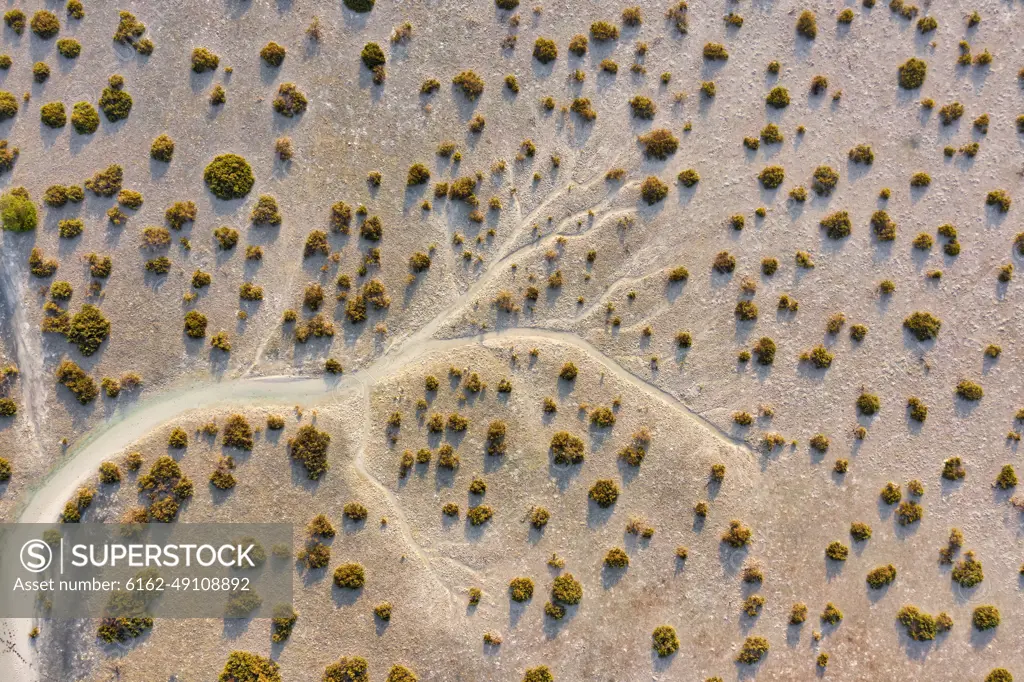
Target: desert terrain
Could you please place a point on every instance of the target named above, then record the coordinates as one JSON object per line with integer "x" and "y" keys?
{"x": 754, "y": 267}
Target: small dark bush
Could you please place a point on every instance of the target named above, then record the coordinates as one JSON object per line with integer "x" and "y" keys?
{"x": 968, "y": 390}
{"x": 273, "y": 54}
{"x": 807, "y": 25}
{"x": 912, "y": 73}
{"x": 659, "y": 144}
{"x": 162, "y": 148}
{"x": 204, "y": 60}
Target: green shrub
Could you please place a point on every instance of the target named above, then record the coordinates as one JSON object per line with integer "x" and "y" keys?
{"x": 951, "y": 112}
{"x": 8, "y": 105}
{"x": 581, "y": 107}
{"x": 350, "y": 576}
{"x": 69, "y": 48}
{"x": 88, "y": 329}
{"x": 60, "y": 291}
{"x": 107, "y": 182}
{"x": 162, "y": 148}
{"x": 195, "y": 324}
{"x": 920, "y": 180}
{"x": 912, "y": 73}
{"x": 653, "y": 190}
{"x": 229, "y": 176}
{"x": 837, "y": 551}
{"x": 920, "y": 626}
{"x": 1000, "y": 199}
{"x": 5, "y": 469}
{"x": 115, "y": 103}
{"x": 765, "y": 349}
{"x": 831, "y": 615}
{"x": 778, "y": 98}
{"x": 715, "y": 51}
{"x": 837, "y": 225}
{"x": 70, "y": 228}
{"x": 77, "y": 381}
{"x": 17, "y": 212}
{"x": 881, "y": 576}
{"x": 470, "y": 83}
{"x": 985, "y": 617}
{"x": 243, "y": 666}
{"x": 825, "y": 180}
{"x": 578, "y": 45}
{"x": 772, "y": 176}
{"x": 659, "y": 144}
{"x": 273, "y": 54}
{"x": 348, "y": 669}
{"x": 753, "y": 650}
{"x": 203, "y": 60}
{"x": 918, "y": 410}
{"x": 688, "y": 177}
{"x": 1007, "y": 477}
{"x": 373, "y": 56}
{"x": 566, "y": 448}
{"x": 616, "y": 558}
{"x": 45, "y": 24}
{"x": 664, "y": 640}
{"x": 602, "y": 30}
{"x": 807, "y": 25}
{"x": 15, "y": 20}
{"x": 891, "y": 493}
{"x": 545, "y": 50}
{"x": 604, "y": 492}
{"x": 130, "y": 199}
{"x": 860, "y": 531}
{"x": 309, "y": 446}
{"x": 290, "y": 101}
{"x": 746, "y": 310}
{"x": 643, "y": 107}
{"x": 909, "y": 512}
{"x": 968, "y": 571}
{"x": 521, "y": 589}
{"x": 738, "y": 535}
{"x": 84, "y": 118}
{"x": 968, "y": 390}
{"x": 541, "y": 672}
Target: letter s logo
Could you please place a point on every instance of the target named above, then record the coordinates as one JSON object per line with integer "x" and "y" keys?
{"x": 36, "y": 556}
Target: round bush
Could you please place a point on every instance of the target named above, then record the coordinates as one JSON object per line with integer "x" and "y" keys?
{"x": 273, "y": 54}
{"x": 69, "y": 48}
{"x": 545, "y": 50}
{"x": 8, "y": 105}
{"x": 45, "y": 24}
{"x": 54, "y": 115}
{"x": 17, "y": 212}
{"x": 229, "y": 176}
{"x": 204, "y": 60}
{"x": 604, "y": 492}
{"x": 115, "y": 103}
{"x": 243, "y": 666}
{"x": 912, "y": 73}
{"x": 350, "y": 576}
{"x": 84, "y": 118}
{"x": 360, "y": 5}
{"x": 664, "y": 640}
{"x": 372, "y": 55}
{"x": 162, "y": 149}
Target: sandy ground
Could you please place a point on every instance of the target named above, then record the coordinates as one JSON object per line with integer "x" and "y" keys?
{"x": 791, "y": 498}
